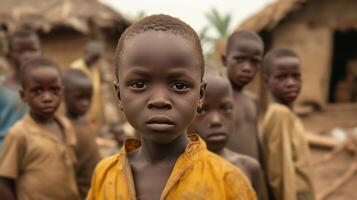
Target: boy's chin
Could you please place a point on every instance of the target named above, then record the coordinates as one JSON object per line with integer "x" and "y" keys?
{"x": 160, "y": 138}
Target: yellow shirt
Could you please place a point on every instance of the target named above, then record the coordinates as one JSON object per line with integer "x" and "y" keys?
{"x": 42, "y": 166}
{"x": 96, "y": 110}
{"x": 197, "y": 174}
{"x": 286, "y": 157}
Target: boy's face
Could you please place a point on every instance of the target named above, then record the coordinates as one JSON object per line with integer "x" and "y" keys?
{"x": 43, "y": 91}
{"x": 243, "y": 60}
{"x": 159, "y": 84}
{"x": 24, "y": 49}
{"x": 216, "y": 121}
{"x": 284, "y": 80}
{"x": 78, "y": 98}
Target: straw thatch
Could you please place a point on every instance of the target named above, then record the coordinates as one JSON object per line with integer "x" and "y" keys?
{"x": 270, "y": 16}
{"x": 46, "y": 15}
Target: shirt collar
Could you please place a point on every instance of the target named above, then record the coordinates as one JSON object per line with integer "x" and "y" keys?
{"x": 68, "y": 131}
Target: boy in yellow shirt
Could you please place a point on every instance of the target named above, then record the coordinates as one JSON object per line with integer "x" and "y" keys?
{"x": 285, "y": 150}
{"x": 159, "y": 87}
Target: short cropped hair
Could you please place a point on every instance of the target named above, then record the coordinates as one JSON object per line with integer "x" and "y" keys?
{"x": 274, "y": 54}
{"x": 72, "y": 76}
{"x": 163, "y": 23}
{"x": 33, "y": 64}
{"x": 21, "y": 33}
{"x": 243, "y": 34}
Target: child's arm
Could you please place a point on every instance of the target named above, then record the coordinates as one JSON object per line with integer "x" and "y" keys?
{"x": 7, "y": 189}
{"x": 259, "y": 183}
{"x": 11, "y": 157}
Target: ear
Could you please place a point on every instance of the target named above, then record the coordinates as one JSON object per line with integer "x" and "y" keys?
{"x": 117, "y": 91}
{"x": 224, "y": 60}
{"x": 202, "y": 94}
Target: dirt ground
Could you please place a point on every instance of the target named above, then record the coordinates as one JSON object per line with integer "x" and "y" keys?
{"x": 329, "y": 172}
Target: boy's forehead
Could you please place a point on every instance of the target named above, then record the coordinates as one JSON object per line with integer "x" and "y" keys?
{"x": 217, "y": 86}
{"x": 156, "y": 40}
{"x": 154, "y": 48}
{"x": 280, "y": 64}
{"x": 243, "y": 45}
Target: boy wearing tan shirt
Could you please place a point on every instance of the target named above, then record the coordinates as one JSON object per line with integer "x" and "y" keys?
{"x": 38, "y": 159}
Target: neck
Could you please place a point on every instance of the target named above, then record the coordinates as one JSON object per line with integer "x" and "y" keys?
{"x": 41, "y": 119}
{"x": 153, "y": 152}
{"x": 73, "y": 116}
{"x": 287, "y": 104}
{"x": 237, "y": 88}
{"x": 218, "y": 151}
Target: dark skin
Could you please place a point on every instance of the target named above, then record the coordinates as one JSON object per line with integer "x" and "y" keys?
{"x": 42, "y": 92}
{"x": 242, "y": 61}
{"x": 284, "y": 80}
{"x": 23, "y": 49}
{"x": 216, "y": 123}
{"x": 159, "y": 91}
{"x": 78, "y": 97}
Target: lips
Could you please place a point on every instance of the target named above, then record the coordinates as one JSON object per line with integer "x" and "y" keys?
{"x": 217, "y": 137}
{"x": 160, "y": 123}
{"x": 48, "y": 109}
{"x": 292, "y": 94}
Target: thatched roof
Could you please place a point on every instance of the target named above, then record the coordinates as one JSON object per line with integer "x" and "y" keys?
{"x": 45, "y": 15}
{"x": 271, "y": 16}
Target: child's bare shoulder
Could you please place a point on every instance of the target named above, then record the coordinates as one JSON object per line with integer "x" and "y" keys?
{"x": 250, "y": 164}
{"x": 217, "y": 162}
{"x": 251, "y": 95}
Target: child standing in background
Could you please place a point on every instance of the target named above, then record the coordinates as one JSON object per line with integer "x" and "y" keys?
{"x": 215, "y": 123}
{"x": 243, "y": 58}
{"x": 78, "y": 90}
{"x": 286, "y": 152}
{"x": 38, "y": 157}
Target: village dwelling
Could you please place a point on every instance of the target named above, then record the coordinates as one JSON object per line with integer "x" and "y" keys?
{"x": 324, "y": 34}
{"x": 65, "y": 26}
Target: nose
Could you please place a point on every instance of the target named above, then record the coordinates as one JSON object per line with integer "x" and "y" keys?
{"x": 85, "y": 103}
{"x": 247, "y": 67}
{"x": 159, "y": 100}
{"x": 46, "y": 97}
{"x": 291, "y": 82}
{"x": 215, "y": 120}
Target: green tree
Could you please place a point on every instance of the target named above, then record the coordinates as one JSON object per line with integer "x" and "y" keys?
{"x": 220, "y": 25}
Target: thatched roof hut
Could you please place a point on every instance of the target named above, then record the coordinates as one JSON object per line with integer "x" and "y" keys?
{"x": 64, "y": 25}
{"x": 322, "y": 32}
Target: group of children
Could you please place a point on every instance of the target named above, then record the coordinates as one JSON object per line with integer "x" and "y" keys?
{"x": 198, "y": 128}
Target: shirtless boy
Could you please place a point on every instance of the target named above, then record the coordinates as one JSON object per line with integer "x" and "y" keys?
{"x": 215, "y": 124}
{"x": 243, "y": 57}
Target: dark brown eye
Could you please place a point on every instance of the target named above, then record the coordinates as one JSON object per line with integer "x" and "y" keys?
{"x": 180, "y": 86}
{"x": 138, "y": 85}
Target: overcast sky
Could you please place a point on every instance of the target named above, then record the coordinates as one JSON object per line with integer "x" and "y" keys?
{"x": 190, "y": 11}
